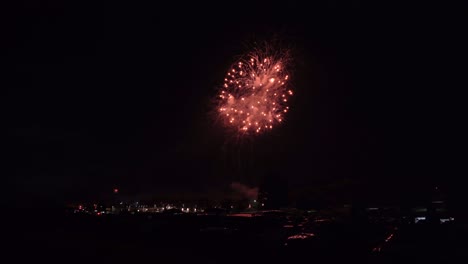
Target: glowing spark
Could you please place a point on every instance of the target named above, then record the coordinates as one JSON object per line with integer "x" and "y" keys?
{"x": 251, "y": 84}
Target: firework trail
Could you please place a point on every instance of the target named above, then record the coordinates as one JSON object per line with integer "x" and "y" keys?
{"x": 255, "y": 93}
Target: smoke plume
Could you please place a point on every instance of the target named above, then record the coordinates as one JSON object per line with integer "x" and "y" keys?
{"x": 245, "y": 191}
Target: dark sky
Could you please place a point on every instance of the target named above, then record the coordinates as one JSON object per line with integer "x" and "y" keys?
{"x": 120, "y": 94}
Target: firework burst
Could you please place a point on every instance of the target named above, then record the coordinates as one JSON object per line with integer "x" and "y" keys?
{"x": 254, "y": 97}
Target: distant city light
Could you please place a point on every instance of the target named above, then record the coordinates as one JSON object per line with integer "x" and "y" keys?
{"x": 301, "y": 236}
{"x": 417, "y": 219}
{"x": 443, "y": 220}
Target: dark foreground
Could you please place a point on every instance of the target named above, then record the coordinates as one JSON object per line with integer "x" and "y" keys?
{"x": 222, "y": 239}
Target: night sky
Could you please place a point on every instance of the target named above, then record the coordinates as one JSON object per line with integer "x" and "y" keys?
{"x": 121, "y": 95}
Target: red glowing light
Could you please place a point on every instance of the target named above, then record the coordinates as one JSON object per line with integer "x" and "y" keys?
{"x": 258, "y": 92}
{"x": 116, "y": 190}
